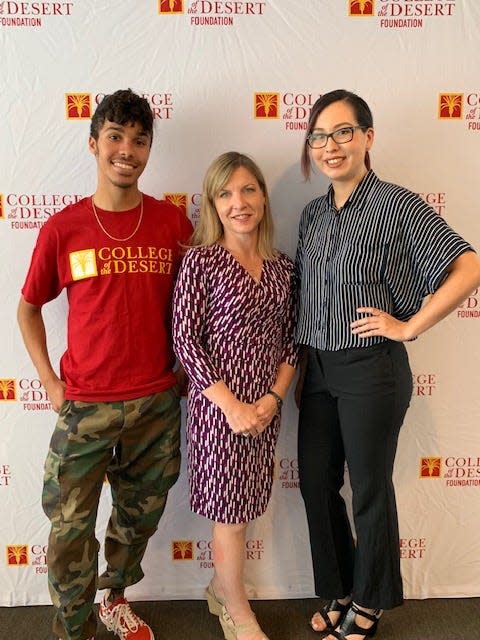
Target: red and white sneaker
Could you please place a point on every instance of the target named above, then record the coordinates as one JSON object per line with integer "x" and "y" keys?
{"x": 119, "y": 618}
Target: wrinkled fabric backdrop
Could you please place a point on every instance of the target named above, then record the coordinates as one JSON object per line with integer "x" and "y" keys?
{"x": 236, "y": 75}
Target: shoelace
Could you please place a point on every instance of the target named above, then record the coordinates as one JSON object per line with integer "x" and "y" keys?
{"x": 123, "y": 615}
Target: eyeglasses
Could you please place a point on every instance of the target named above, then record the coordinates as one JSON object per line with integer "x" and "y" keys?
{"x": 340, "y": 136}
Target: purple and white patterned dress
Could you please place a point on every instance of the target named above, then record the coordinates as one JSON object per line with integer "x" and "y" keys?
{"x": 227, "y": 326}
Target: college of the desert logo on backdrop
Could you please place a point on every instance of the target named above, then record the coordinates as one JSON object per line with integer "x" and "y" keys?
{"x": 81, "y": 106}
{"x": 401, "y": 14}
{"x": 460, "y": 106}
{"x": 179, "y": 200}
{"x": 287, "y": 473}
{"x": 8, "y": 390}
{"x": 78, "y": 106}
{"x": 27, "y": 211}
{"x": 291, "y": 108}
{"x": 28, "y": 391}
{"x": 5, "y": 475}
{"x": 436, "y": 200}
{"x": 17, "y": 555}
{"x": 212, "y": 13}
{"x": 32, "y": 395}
{"x": 24, "y": 555}
{"x": 171, "y": 7}
{"x": 32, "y": 14}
{"x": 424, "y": 384}
{"x": 361, "y": 7}
{"x": 201, "y": 551}
{"x": 413, "y": 548}
{"x": 456, "y": 471}
{"x": 188, "y": 204}
{"x": 470, "y": 308}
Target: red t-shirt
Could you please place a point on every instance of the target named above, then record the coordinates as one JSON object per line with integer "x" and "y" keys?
{"x": 119, "y": 294}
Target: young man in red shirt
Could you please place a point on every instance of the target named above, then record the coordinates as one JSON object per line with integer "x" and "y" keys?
{"x": 116, "y": 253}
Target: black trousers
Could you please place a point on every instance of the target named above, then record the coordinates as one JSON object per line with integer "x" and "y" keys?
{"x": 352, "y": 407}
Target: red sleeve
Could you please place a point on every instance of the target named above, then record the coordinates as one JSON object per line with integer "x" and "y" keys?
{"x": 44, "y": 282}
{"x": 186, "y": 229}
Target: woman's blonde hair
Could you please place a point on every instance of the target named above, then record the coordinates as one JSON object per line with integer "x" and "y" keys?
{"x": 209, "y": 229}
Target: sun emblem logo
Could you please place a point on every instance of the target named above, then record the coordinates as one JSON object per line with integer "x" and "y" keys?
{"x": 450, "y": 106}
{"x": 430, "y": 467}
{"x": 78, "y": 106}
{"x": 360, "y": 7}
{"x": 178, "y": 199}
{"x": 182, "y": 549}
{"x": 17, "y": 555}
{"x": 170, "y": 6}
{"x": 266, "y": 105}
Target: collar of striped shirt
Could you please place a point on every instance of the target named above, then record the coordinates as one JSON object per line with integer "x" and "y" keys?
{"x": 359, "y": 194}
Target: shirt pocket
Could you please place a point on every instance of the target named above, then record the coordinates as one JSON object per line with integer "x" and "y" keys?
{"x": 362, "y": 264}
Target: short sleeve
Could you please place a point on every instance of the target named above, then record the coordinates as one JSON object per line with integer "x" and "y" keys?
{"x": 44, "y": 281}
{"x": 432, "y": 243}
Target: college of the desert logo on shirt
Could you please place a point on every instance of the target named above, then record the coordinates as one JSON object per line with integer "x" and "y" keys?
{"x": 401, "y": 14}
{"x": 120, "y": 259}
{"x": 291, "y": 108}
{"x": 83, "y": 264}
{"x": 212, "y": 13}
{"x": 32, "y": 14}
{"x": 80, "y": 106}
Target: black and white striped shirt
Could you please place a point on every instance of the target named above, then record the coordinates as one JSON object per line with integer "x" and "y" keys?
{"x": 384, "y": 248}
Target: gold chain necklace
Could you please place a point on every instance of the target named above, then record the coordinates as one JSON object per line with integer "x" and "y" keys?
{"x": 113, "y": 237}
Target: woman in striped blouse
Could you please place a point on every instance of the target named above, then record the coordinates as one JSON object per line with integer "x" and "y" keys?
{"x": 369, "y": 252}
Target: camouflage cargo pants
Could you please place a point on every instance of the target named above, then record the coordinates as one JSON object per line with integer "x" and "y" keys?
{"x": 136, "y": 443}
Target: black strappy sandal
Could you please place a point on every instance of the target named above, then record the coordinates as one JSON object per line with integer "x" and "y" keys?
{"x": 349, "y": 626}
{"x": 334, "y": 606}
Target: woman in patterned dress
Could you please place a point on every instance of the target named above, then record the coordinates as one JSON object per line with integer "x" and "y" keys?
{"x": 233, "y": 332}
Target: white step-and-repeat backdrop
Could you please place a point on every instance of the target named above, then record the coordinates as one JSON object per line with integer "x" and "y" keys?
{"x": 242, "y": 75}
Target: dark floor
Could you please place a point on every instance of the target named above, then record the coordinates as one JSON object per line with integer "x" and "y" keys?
{"x": 436, "y": 619}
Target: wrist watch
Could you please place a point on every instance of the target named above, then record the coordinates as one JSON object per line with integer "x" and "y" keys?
{"x": 278, "y": 399}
